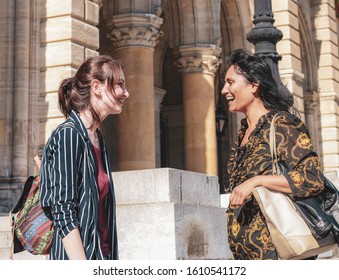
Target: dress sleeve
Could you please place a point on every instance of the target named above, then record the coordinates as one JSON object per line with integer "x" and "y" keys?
{"x": 295, "y": 149}
{"x": 59, "y": 179}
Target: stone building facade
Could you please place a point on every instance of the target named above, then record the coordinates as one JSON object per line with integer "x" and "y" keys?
{"x": 173, "y": 52}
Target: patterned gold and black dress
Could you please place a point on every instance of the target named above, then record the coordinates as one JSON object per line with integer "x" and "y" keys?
{"x": 248, "y": 235}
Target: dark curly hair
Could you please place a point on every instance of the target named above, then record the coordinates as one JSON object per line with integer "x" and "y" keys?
{"x": 256, "y": 70}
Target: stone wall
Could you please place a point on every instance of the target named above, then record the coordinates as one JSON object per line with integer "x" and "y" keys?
{"x": 162, "y": 214}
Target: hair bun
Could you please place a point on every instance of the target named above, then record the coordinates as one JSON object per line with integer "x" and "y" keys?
{"x": 68, "y": 86}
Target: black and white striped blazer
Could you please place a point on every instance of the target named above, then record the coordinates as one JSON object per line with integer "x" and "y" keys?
{"x": 69, "y": 187}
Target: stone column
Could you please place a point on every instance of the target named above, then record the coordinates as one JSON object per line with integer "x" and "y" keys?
{"x": 326, "y": 42}
{"x": 7, "y": 21}
{"x": 198, "y": 66}
{"x": 34, "y": 86}
{"x": 135, "y": 36}
{"x": 21, "y": 89}
{"x": 312, "y": 118}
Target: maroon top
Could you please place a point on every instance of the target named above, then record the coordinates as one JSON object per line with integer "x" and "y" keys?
{"x": 103, "y": 185}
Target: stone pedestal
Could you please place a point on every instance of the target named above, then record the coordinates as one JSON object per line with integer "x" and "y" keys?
{"x": 169, "y": 214}
{"x": 162, "y": 214}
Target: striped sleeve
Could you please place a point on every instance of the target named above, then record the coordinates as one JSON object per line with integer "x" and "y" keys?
{"x": 59, "y": 179}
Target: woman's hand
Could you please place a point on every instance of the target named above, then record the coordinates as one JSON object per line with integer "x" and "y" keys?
{"x": 243, "y": 192}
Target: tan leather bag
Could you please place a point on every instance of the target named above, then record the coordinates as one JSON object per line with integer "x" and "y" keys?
{"x": 290, "y": 234}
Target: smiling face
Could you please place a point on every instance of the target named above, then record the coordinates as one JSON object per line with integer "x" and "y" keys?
{"x": 109, "y": 100}
{"x": 240, "y": 94}
{"x": 114, "y": 98}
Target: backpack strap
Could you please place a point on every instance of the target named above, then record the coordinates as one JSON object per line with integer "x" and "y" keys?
{"x": 24, "y": 195}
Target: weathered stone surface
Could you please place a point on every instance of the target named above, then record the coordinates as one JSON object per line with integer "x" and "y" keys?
{"x": 175, "y": 210}
{"x": 166, "y": 185}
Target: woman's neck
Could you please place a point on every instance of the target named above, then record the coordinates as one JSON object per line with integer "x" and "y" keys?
{"x": 91, "y": 127}
{"x": 254, "y": 116}
{"x": 88, "y": 121}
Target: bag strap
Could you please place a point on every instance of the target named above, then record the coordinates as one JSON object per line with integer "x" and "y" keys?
{"x": 24, "y": 195}
{"x": 26, "y": 188}
{"x": 273, "y": 148}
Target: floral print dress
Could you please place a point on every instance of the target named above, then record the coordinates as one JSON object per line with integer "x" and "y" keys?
{"x": 248, "y": 235}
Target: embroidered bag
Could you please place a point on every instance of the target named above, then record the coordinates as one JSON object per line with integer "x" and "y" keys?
{"x": 32, "y": 226}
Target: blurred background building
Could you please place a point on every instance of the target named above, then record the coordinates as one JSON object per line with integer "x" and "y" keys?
{"x": 173, "y": 52}
{"x": 170, "y": 145}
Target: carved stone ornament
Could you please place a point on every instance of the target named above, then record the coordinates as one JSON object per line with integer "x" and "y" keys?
{"x": 142, "y": 30}
{"x": 311, "y": 101}
{"x": 98, "y": 2}
{"x": 198, "y": 59}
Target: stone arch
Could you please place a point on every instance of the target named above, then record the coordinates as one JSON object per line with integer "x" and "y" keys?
{"x": 308, "y": 55}
{"x": 168, "y": 79}
{"x": 309, "y": 67}
{"x": 192, "y": 22}
{"x": 118, "y": 7}
{"x": 236, "y": 21}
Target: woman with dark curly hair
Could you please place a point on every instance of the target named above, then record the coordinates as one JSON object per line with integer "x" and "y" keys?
{"x": 251, "y": 89}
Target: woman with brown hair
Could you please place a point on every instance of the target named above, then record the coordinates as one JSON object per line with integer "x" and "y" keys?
{"x": 76, "y": 181}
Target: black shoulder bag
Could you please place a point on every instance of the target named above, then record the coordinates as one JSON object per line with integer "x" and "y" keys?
{"x": 320, "y": 212}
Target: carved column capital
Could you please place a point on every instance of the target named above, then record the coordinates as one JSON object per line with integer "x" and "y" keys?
{"x": 98, "y": 2}
{"x": 135, "y": 30}
{"x": 203, "y": 59}
{"x": 311, "y": 101}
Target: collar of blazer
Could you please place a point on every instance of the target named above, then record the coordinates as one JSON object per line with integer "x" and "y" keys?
{"x": 75, "y": 120}
{"x": 80, "y": 126}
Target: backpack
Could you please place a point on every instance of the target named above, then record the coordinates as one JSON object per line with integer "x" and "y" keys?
{"x": 32, "y": 226}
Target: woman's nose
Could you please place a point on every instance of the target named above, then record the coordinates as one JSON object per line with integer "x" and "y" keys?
{"x": 126, "y": 93}
{"x": 224, "y": 89}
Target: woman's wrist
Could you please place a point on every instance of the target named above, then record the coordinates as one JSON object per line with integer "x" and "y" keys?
{"x": 258, "y": 181}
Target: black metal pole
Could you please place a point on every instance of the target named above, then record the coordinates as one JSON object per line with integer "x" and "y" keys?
{"x": 221, "y": 124}
{"x": 220, "y": 169}
{"x": 265, "y": 36}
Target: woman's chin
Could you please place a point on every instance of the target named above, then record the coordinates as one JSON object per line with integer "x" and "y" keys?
{"x": 232, "y": 110}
